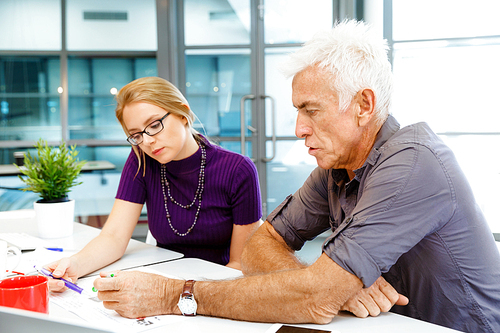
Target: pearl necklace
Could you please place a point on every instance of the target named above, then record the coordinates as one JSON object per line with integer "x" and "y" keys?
{"x": 197, "y": 195}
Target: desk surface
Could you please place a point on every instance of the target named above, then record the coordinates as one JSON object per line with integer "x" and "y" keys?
{"x": 188, "y": 268}
{"x": 12, "y": 170}
{"x": 203, "y": 270}
{"x": 137, "y": 253}
{"x": 141, "y": 254}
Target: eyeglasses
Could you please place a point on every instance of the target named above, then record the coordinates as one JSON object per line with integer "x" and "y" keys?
{"x": 152, "y": 129}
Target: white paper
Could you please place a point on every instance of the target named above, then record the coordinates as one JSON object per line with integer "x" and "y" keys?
{"x": 23, "y": 241}
{"x": 94, "y": 312}
{"x": 39, "y": 257}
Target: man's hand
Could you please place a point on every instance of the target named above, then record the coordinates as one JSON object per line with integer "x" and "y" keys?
{"x": 137, "y": 294}
{"x": 379, "y": 297}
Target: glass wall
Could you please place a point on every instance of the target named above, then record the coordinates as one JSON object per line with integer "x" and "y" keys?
{"x": 29, "y": 98}
{"x": 446, "y": 72}
{"x": 290, "y": 22}
{"x": 63, "y": 89}
{"x": 216, "y": 22}
{"x": 217, "y": 37}
{"x": 287, "y": 25}
{"x": 93, "y": 82}
{"x": 215, "y": 83}
{"x": 233, "y": 51}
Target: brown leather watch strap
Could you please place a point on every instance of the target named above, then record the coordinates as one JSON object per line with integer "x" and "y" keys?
{"x": 188, "y": 288}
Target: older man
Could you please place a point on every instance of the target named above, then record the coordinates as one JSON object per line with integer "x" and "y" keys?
{"x": 395, "y": 198}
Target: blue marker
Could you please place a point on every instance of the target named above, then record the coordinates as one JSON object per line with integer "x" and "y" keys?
{"x": 56, "y": 249}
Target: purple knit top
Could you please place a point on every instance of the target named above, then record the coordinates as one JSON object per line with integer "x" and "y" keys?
{"x": 231, "y": 195}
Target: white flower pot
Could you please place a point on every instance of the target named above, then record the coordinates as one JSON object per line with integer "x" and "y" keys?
{"x": 55, "y": 220}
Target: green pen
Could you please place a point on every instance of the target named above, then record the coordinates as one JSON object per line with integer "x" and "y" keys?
{"x": 110, "y": 275}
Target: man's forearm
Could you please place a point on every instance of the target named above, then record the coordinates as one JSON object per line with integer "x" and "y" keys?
{"x": 267, "y": 252}
{"x": 311, "y": 295}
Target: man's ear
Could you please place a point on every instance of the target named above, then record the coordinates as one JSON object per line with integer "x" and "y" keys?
{"x": 366, "y": 101}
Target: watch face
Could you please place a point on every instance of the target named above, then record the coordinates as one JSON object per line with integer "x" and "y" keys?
{"x": 187, "y": 306}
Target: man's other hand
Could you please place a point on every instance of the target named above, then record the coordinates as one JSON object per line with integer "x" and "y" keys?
{"x": 371, "y": 301}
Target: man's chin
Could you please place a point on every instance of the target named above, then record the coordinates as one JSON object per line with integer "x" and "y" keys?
{"x": 322, "y": 165}
{"x": 327, "y": 165}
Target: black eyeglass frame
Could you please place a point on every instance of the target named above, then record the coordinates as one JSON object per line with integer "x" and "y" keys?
{"x": 134, "y": 142}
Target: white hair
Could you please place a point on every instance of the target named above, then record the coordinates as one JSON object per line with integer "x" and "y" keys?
{"x": 356, "y": 59}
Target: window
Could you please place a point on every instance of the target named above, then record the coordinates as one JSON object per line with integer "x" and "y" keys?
{"x": 65, "y": 91}
{"x": 215, "y": 84}
{"x": 29, "y": 98}
{"x": 446, "y": 72}
{"x": 93, "y": 82}
{"x": 215, "y": 22}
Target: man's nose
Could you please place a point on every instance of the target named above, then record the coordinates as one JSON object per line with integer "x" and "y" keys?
{"x": 302, "y": 128}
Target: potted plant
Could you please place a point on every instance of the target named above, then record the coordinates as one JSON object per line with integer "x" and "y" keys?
{"x": 51, "y": 174}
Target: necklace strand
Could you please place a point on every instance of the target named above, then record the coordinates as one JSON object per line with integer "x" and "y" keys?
{"x": 197, "y": 194}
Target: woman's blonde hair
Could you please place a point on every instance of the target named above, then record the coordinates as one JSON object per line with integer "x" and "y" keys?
{"x": 158, "y": 92}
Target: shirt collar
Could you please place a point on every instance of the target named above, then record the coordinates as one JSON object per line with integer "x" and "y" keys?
{"x": 387, "y": 130}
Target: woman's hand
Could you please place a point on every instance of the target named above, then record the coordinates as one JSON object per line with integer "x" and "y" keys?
{"x": 65, "y": 268}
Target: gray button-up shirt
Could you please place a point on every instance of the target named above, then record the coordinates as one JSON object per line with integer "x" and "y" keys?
{"x": 410, "y": 215}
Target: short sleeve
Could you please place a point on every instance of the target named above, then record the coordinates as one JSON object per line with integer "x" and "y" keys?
{"x": 245, "y": 193}
{"x": 305, "y": 214}
{"x": 132, "y": 185}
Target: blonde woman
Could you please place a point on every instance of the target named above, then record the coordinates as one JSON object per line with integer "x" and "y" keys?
{"x": 202, "y": 200}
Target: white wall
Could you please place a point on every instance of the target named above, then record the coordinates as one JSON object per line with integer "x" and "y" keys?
{"x": 30, "y": 25}
{"x": 109, "y": 34}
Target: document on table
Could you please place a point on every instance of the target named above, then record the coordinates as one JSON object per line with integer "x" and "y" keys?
{"x": 23, "y": 241}
{"x": 40, "y": 257}
{"x": 93, "y": 311}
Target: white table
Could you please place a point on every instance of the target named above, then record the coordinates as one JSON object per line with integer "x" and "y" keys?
{"x": 203, "y": 270}
{"x": 141, "y": 254}
{"x": 137, "y": 253}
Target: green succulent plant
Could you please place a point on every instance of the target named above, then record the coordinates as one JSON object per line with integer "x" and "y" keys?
{"x": 53, "y": 172}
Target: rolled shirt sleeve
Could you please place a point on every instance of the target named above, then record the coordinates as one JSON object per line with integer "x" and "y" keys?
{"x": 404, "y": 194}
{"x": 303, "y": 215}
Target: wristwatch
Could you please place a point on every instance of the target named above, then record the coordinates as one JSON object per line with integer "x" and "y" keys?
{"x": 187, "y": 303}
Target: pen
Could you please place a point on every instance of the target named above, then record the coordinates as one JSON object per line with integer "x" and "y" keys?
{"x": 110, "y": 275}
{"x": 68, "y": 284}
{"x": 56, "y": 249}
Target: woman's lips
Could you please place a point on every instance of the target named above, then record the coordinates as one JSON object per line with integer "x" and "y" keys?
{"x": 157, "y": 151}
